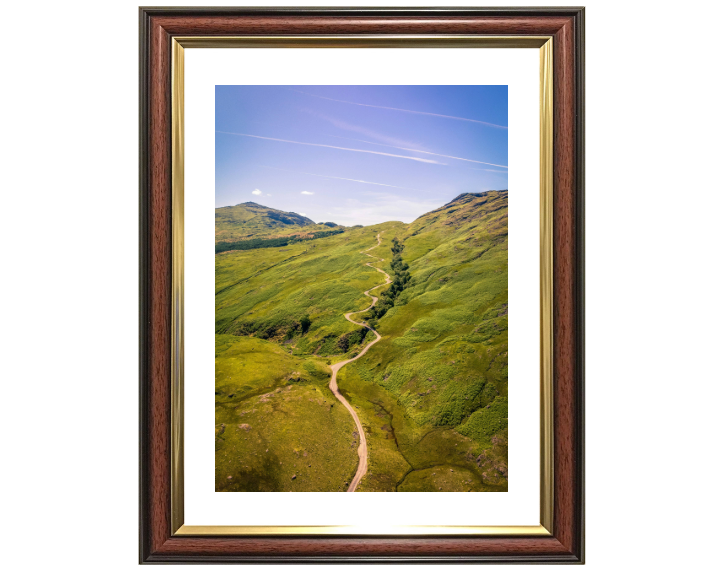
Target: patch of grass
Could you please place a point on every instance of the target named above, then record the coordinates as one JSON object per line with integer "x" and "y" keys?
{"x": 483, "y": 424}
{"x": 276, "y": 418}
{"x": 443, "y": 478}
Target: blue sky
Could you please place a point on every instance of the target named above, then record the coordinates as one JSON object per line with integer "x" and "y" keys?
{"x": 358, "y": 154}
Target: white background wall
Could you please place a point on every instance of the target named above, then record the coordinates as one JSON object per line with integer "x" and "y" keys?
{"x": 69, "y": 290}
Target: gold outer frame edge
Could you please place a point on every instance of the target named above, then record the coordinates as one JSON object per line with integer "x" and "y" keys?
{"x": 544, "y": 43}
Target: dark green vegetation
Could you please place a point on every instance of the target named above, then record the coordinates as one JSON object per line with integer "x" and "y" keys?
{"x": 401, "y": 277}
{"x": 255, "y": 243}
{"x": 432, "y": 394}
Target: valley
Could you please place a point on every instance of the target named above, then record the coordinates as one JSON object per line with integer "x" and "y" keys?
{"x": 416, "y": 347}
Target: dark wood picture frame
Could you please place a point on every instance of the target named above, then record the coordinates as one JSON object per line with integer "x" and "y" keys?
{"x": 158, "y": 26}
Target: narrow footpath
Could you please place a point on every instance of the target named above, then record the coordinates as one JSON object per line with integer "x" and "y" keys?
{"x": 362, "y": 449}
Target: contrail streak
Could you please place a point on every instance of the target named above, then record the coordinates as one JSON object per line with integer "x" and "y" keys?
{"x": 339, "y": 178}
{"x": 402, "y": 110}
{"x": 421, "y": 151}
{"x": 489, "y": 170}
{"x": 425, "y": 160}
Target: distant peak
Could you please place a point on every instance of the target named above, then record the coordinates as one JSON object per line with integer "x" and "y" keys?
{"x": 473, "y": 195}
{"x": 463, "y": 199}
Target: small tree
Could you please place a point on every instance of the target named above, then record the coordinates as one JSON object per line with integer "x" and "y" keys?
{"x": 305, "y": 323}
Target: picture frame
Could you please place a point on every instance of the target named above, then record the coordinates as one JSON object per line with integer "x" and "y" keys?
{"x": 164, "y": 34}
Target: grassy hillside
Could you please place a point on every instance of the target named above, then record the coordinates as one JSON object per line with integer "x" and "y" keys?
{"x": 273, "y": 414}
{"x": 251, "y": 220}
{"x": 432, "y": 394}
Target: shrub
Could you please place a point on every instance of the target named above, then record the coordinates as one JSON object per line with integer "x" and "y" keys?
{"x": 484, "y": 423}
{"x": 400, "y": 281}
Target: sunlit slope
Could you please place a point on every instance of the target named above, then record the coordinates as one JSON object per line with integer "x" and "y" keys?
{"x": 278, "y": 426}
{"x": 266, "y": 293}
{"x": 279, "y": 317}
{"x": 432, "y": 394}
{"x": 436, "y": 385}
{"x": 252, "y": 220}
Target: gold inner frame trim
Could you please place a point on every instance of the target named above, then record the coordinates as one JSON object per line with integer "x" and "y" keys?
{"x": 545, "y": 46}
{"x": 177, "y": 361}
{"x": 362, "y": 530}
{"x": 546, "y": 288}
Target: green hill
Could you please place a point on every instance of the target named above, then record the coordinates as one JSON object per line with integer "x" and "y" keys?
{"x": 251, "y": 220}
{"x": 432, "y": 394}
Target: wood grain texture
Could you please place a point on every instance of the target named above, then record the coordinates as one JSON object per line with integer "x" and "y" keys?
{"x": 563, "y": 280}
{"x": 264, "y": 25}
{"x": 340, "y": 548}
{"x": 155, "y": 331}
{"x": 157, "y": 26}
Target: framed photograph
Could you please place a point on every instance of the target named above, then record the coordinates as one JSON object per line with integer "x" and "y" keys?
{"x": 339, "y": 210}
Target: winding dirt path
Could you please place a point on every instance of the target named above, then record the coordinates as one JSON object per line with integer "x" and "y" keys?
{"x": 362, "y": 449}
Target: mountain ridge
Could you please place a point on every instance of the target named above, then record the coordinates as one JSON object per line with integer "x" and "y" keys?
{"x": 252, "y": 220}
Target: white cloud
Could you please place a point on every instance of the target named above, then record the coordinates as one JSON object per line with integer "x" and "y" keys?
{"x": 306, "y": 193}
{"x": 380, "y": 207}
{"x": 257, "y": 192}
{"x": 302, "y": 213}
